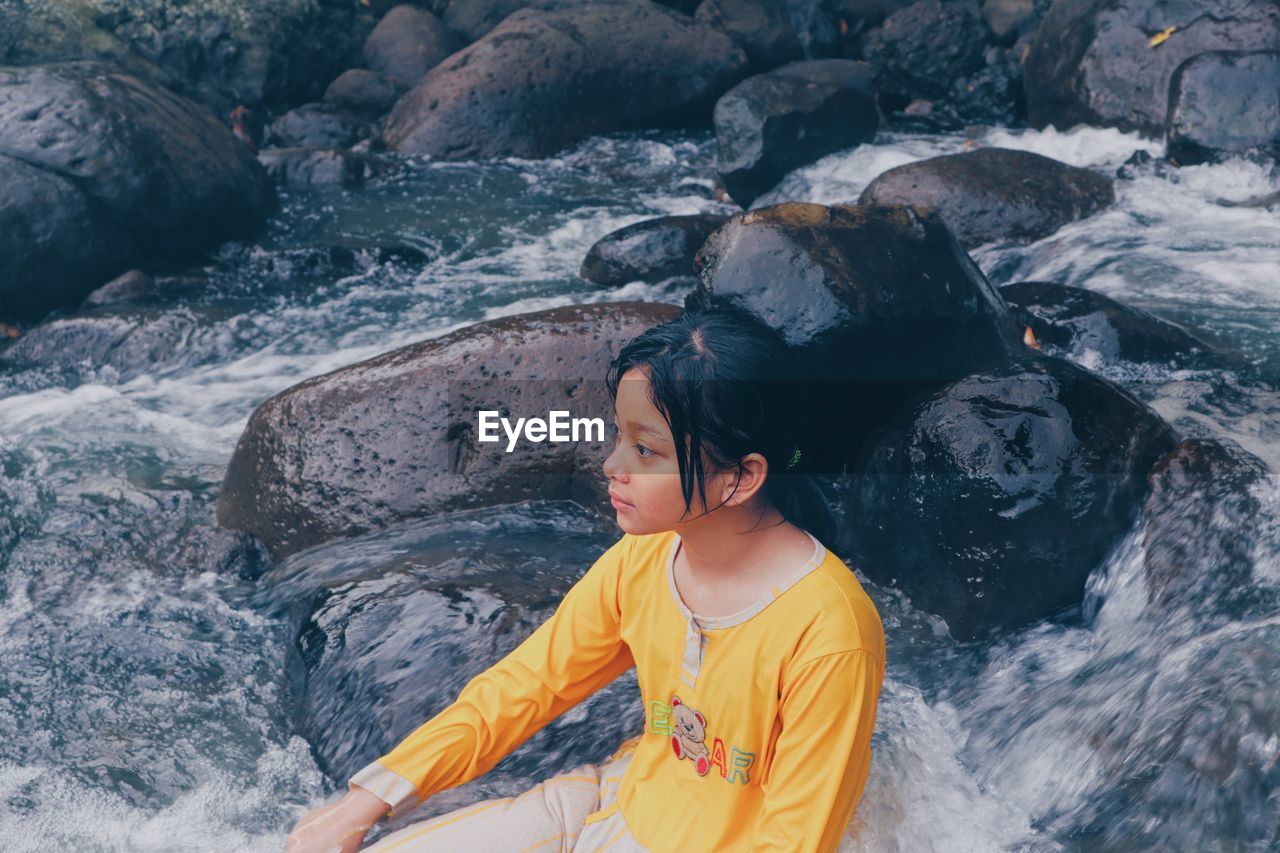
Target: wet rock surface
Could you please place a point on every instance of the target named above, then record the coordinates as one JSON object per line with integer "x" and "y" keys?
{"x": 772, "y": 123}
{"x": 1081, "y": 321}
{"x": 380, "y": 644}
{"x": 1223, "y": 104}
{"x": 132, "y": 172}
{"x": 395, "y": 437}
{"x": 653, "y": 250}
{"x": 878, "y": 304}
{"x": 990, "y": 502}
{"x": 1110, "y": 62}
{"x": 995, "y": 193}
{"x": 407, "y": 43}
{"x": 547, "y": 77}
{"x": 1201, "y": 499}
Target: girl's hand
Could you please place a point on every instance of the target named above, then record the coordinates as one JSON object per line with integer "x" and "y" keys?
{"x": 338, "y": 827}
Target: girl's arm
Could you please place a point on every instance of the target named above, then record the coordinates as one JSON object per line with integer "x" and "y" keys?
{"x": 823, "y": 753}
{"x": 570, "y": 656}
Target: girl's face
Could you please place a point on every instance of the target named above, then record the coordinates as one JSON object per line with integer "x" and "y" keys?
{"x": 644, "y": 477}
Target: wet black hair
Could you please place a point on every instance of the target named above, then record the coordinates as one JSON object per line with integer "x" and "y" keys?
{"x": 724, "y": 382}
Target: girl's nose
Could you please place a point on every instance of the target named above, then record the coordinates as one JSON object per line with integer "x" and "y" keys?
{"x": 613, "y": 470}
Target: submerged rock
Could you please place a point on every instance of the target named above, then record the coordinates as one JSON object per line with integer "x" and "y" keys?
{"x": 1200, "y": 501}
{"x": 878, "y": 303}
{"x": 995, "y": 193}
{"x": 545, "y": 78}
{"x": 322, "y": 125}
{"x": 1087, "y": 325}
{"x": 310, "y": 165}
{"x": 772, "y": 123}
{"x": 652, "y": 251}
{"x": 1225, "y": 103}
{"x": 1109, "y": 62}
{"x": 129, "y": 166}
{"x": 396, "y": 436}
{"x": 989, "y": 502}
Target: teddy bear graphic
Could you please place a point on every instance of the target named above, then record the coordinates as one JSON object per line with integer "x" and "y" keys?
{"x": 690, "y": 733}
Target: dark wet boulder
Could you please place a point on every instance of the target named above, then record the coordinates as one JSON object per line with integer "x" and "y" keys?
{"x": 992, "y": 95}
{"x": 989, "y": 502}
{"x": 1109, "y": 62}
{"x": 380, "y": 645}
{"x": 759, "y": 26}
{"x": 546, "y": 78}
{"x": 772, "y": 123}
{"x": 774, "y": 32}
{"x": 407, "y": 43}
{"x": 1223, "y": 104}
{"x": 652, "y": 251}
{"x": 995, "y": 193}
{"x": 132, "y": 170}
{"x": 218, "y": 52}
{"x": 878, "y": 304}
{"x": 397, "y": 436}
{"x": 1085, "y": 325}
{"x": 1202, "y": 498}
{"x": 321, "y": 124}
{"x": 919, "y": 51}
{"x": 362, "y": 90}
{"x": 55, "y": 243}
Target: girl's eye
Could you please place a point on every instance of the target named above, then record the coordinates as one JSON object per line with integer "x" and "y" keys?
{"x": 643, "y": 450}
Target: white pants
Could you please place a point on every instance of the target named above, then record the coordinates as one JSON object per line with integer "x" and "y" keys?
{"x": 551, "y": 816}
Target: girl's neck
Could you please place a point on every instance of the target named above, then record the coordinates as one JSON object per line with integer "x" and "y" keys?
{"x": 733, "y": 545}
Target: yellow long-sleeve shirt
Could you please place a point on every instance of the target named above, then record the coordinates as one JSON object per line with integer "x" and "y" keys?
{"x": 757, "y": 725}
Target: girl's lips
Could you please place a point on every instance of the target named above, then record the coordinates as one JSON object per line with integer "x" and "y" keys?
{"x": 619, "y": 505}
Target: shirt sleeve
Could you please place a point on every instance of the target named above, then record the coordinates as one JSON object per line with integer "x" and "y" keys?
{"x": 578, "y": 650}
{"x": 822, "y": 755}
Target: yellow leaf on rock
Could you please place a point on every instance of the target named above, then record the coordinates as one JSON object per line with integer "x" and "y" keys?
{"x": 1162, "y": 36}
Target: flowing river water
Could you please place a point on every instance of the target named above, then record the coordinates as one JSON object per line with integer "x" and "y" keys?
{"x": 145, "y": 702}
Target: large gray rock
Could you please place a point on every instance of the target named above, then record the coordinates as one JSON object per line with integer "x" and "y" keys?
{"x": 395, "y": 437}
{"x": 920, "y": 51}
{"x": 878, "y": 304}
{"x": 55, "y": 245}
{"x": 990, "y": 502}
{"x": 545, "y": 78}
{"x": 219, "y": 52}
{"x": 772, "y": 123}
{"x": 995, "y": 193}
{"x": 1224, "y": 103}
{"x": 759, "y": 26}
{"x": 1093, "y": 61}
{"x": 408, "y": 43}
{"x": 128, "y": 163}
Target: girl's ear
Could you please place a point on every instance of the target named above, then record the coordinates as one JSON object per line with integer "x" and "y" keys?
{"x": 748, "y": 478}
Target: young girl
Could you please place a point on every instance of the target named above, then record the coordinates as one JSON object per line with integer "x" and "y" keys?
{"x": 759, "y": 656}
